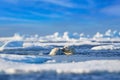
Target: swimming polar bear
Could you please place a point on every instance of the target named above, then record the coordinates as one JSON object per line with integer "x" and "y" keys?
{"x": 67, "y": 50}
{"x": 55, "y": 51}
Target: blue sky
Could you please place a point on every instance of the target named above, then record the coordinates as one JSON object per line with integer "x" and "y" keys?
{"x": 48, "y": 16}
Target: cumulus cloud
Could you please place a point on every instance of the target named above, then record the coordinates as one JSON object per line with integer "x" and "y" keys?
{"x": 82, "y": 35}
{"x": 111, "y": 34}
{"x": 98, "y": 35}
{"x": 65, "y": 36}
{"x": 57, "y": 37}
{"x": 108, "y": 32}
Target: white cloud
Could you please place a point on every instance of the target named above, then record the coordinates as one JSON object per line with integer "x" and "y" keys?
{"x": 65, "y": 36}
{"x": 108, "y": 32}
{"x": 98, "y": 35}
{"x": 82, "y": 35}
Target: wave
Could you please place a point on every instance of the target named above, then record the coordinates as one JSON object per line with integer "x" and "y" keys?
{"x": 85, "y": 48}
{"x": 51, "y": 75}
{"x": 25, "y": 58}
{"x": 13, "y": 64}
{"x": 106, "y": 47}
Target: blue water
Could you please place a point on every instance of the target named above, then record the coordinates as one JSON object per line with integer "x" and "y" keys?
{"x": 52, "y": 75}
{"x": 84, "y": 50}
{"x": 81, "y": 50}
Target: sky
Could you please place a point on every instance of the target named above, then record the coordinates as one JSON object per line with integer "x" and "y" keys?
{"x": 44, "y": 17}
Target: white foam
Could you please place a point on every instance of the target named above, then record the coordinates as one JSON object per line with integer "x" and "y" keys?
{"x": 24, "y": 58}
{"x": 106, "y": 47}
{"x": 12, "y": 45}
{"x": 81, "y": 64}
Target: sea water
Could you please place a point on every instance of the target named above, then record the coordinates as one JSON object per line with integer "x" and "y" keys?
{"x": 35, "y": 64}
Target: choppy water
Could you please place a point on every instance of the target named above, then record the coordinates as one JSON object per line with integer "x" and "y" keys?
{"x": 81, "y": 50}
{"x": 52, "y": 75}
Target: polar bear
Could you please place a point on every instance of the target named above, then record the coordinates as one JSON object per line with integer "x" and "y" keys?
{"x": 67, "y": 50}
{"x": 55, "y": 51}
